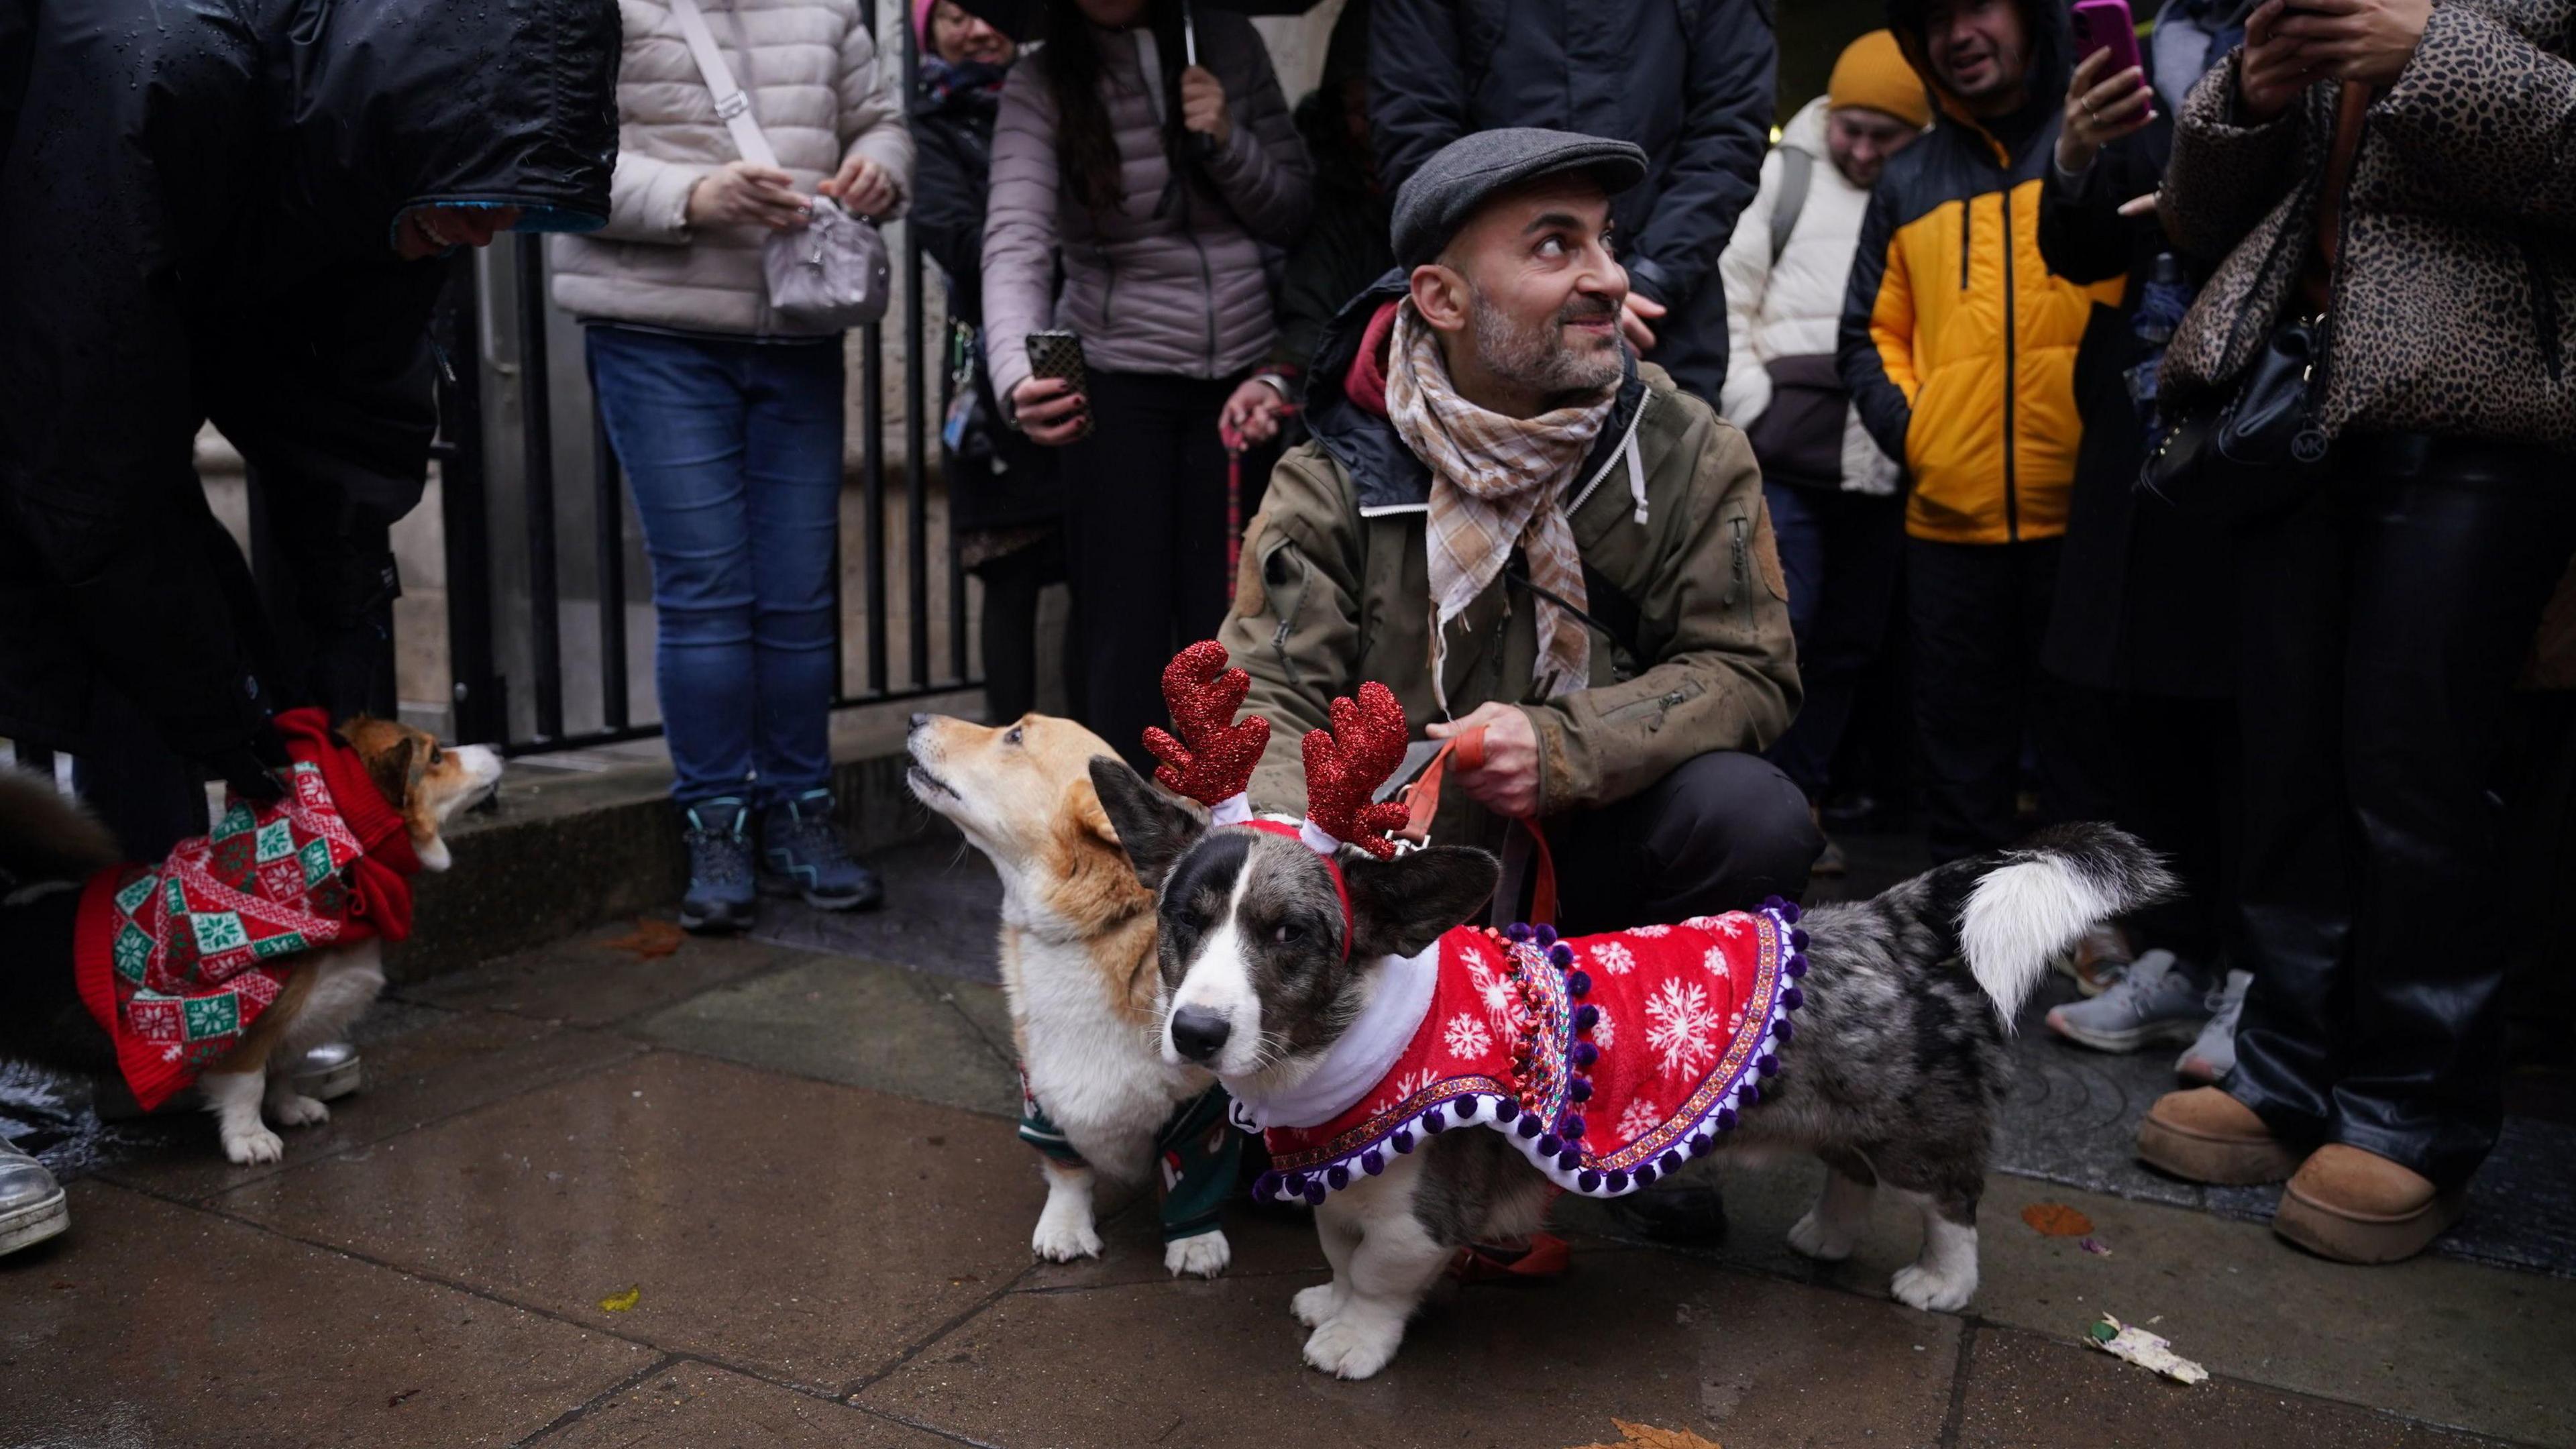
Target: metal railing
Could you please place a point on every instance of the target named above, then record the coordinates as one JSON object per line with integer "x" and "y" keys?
{"x": 505, "y": 627}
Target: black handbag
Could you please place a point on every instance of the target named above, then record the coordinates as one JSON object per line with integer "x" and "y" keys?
{"x": 2259, "y": 450}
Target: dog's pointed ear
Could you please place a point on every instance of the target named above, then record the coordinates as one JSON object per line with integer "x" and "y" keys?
{"x": 1152, "y": 830}
{"x": 1082, "y": 802}
{"x": 1402, "y": 905}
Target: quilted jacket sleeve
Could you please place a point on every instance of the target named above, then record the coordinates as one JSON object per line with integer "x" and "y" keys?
{"x": 1718, "y": 155}
{"x": 648, "y": 199}
{"x": 2490, "y": 113}
{"x": 1295, "y": 624}
{"x": 871, "y": 113}
{"x": 1876, "y": 348}
{"x": 2226, "y": 176}
{"x": 1744, "y": 268}
{"x": 1020, "y": 227}
{"x": 1262, "y": 169}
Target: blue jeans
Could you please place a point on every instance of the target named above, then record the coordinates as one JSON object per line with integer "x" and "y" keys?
{"x": 1842, "y": 554}
{"x": 734, "y": 452}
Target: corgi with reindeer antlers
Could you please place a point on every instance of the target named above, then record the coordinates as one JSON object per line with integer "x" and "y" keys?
{"x": 1426, "y": 1084}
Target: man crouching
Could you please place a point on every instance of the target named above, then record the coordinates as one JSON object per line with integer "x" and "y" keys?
{"x": 1518, "y": 527}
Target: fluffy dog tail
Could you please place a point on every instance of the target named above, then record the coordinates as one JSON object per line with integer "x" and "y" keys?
{"x": 45, "y": 836}
{"x": 2026, "y": 905}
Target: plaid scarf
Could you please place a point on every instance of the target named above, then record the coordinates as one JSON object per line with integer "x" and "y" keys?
{"x": 1496, "y": 482}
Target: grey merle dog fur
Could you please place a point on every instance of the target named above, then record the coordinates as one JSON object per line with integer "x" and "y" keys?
{"x": 1893, "y": 1080}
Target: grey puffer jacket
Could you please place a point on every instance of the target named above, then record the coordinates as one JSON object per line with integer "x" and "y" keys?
{"x": 1174, "y": 280}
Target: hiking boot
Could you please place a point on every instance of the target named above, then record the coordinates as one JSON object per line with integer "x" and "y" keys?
{"x": 721, "y": 894}
{"x": 328, "y": 1072}
{"x": 2095, "y": 960}
{"x": 2359, "y": 1207}
{"x": 2205, "y": 1135}
{"x": 2212, "y": 1054}
{"x": 802, "y": 854}
{"x": 32, "y": 1207}
{"x": 2150, "y": 1002}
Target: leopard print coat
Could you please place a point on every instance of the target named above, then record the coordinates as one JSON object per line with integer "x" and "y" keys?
{"x": 2453, "y": 304}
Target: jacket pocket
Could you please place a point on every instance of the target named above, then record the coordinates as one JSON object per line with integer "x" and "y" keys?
{"x": 1284, "y": 575}
{"x": 1654, "y": 707}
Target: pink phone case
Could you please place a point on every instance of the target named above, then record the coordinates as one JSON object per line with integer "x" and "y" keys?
{"x": 2106, "y": 25}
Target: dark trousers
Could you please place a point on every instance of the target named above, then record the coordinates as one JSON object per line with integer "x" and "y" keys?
{"x": 2384, "y": 623}
{"x": 1978, "y": 612}
{"x": 1843, "y": 554}
{"x": 2172, "y": 767}
{"x": 1008, "y": 630}
{"x": 1145, "y": 543}
{"x": 1719, "y": 833}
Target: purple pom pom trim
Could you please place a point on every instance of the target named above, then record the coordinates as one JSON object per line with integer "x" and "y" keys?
{"x": 1529, "y": 1126}
{"x": 1402, "y": 1141}
{"x": 1579, "y": 1089}
{"x": 1671, "y": 1162}
{"x": 1550, "y": 1145}
{"x": 1569, "y": 1160}
{"x": 1571, "y": 1129}
{"x": 1338, "y": 1178}
{"x": 1584, "y": 1054}
{"x": 1726, "y": 1119}
{"x": 1793, "y": 998}
{"x": 1579, "y": 984}
{"x": 1645, "y": 1174}
{"x": 1544, "y": 935}
{"x": 1616, "y": 1181}
{"x": 1590, "y": 1181}
{"x": 1797, "y": 940}
{"x": 1586, "y": 1017}
{"x": 1796, "y": 966}
{"x": 1372, "y": 1163}
{"x": 1516, "y": 932}
{"x": 1505, "y": 1109}
{"x": 1314, "y": 1194}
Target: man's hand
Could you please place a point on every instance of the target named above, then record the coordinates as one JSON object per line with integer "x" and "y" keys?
{"x": 1050, "y": 411}
{"x": 1252, "y": 414}
{"x": 2273, "y": 69}
{"x": 1203, "y": 105}
{"x": 2101, "y": 109}
{"x": 863, "y": 187}
{"x": 2356, "y": 40}
{"x": 1634, "y": 314}
{"x": 741, "y": 194}
{"x": 1507, "y": 782}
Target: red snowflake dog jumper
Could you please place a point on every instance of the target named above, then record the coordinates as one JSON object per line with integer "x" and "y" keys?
{"x": 1607, "y": 1059}
{"x": 176, "y": 960}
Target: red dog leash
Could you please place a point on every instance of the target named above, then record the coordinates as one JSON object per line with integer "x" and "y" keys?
{"x": 1422, "y": 799}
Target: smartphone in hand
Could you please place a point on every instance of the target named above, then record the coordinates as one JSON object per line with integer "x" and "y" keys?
{"x": 1058, "y": 353}
{"x": 2106, "y": 25}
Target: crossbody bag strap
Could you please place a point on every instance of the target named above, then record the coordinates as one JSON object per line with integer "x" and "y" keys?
{"x": 732, "y": 105}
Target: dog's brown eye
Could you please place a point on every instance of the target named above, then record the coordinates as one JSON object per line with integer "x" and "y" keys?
{"x": 436, "y": 754}
{"x": 1012, "y": 735}
{"x": 1289, "y": 935}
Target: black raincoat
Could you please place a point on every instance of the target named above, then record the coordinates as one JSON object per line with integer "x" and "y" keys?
{"x": 198, "y": 200}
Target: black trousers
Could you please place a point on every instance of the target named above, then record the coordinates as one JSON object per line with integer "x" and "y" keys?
{"x": 1146, "y": 512}
{"x": 2384, "y": 623}
{"x": 1720, "y": 833}
{"x": 1978, "y": 613}
{"x": 1008, "y": 630}
{"x": 2172, "y": 767}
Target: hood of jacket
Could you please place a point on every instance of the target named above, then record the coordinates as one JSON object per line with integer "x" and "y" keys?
{"x": 1386, "y": 473}
{"x": 2044, "y": 75}
{"x": 392, "y": 106}
{"x": 1806, "y": 131}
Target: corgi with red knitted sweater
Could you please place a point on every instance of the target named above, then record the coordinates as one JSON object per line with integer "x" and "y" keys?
{"x": 219, "y": 965}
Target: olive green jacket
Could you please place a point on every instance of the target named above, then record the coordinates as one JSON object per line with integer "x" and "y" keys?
{"x": 1334, "y": 590}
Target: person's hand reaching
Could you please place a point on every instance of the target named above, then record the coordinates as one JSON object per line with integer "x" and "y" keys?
{"x": 1635, "y": 318}
{"x": 1253, "y": 413}
{"x": 1049, "y": 410}
{"x": 1203, "y": 107}
{"x": 2273, "y": 68}
{"x": 2356, "y": 40}
{"x": 2101, "y": 108}
{"x": 863, "y": 187}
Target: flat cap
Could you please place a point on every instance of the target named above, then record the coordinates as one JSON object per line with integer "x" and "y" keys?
{"x": 1437, "y": 200}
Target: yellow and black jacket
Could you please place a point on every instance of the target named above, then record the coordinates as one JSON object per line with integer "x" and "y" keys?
{"x": 1957, "y": 344}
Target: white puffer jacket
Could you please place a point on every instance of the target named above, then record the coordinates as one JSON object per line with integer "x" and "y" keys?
{"x": 810, "y": 68}
{"x": 1793, "y": 307}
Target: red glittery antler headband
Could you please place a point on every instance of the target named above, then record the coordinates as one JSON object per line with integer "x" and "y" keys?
{"x": 1212, "y": 758}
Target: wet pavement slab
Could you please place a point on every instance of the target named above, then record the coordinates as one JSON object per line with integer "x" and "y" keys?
{"x": 153, "y": 1324}
{"x": 692, "y": 1405}
{"x": 807, "y": 1231}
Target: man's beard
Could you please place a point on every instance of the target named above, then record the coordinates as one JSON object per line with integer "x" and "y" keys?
{"x": 1538, "y": 358}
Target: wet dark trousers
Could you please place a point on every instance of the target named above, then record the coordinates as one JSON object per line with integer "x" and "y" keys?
{"x": 2384, "y": 624}
{"x": 1978, "y": 612}
{"x": 1721, "y": 832}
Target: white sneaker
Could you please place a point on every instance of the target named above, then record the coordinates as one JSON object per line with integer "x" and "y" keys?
{"x": 2212, "y": 1054}
{"x": 2151, "y": 1002}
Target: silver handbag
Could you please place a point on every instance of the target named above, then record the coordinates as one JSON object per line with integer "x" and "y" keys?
{"x": 833, "y": 274}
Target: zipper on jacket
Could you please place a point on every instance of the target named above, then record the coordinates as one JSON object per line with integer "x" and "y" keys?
{"x": 1966, "y": 206}
{"x": 1207, "y": 293}
{"x": 2012, "y": 368}
{"x": 1743, "y": 590}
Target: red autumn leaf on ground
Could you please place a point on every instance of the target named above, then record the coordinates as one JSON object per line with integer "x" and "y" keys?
{"x": 649, "y": 939}
{"x": 2056, "y": 1220}
{"x": 1643, "y": 1436}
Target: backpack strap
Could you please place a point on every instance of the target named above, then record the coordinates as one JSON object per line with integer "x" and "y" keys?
{"x": 1797, "y": 172}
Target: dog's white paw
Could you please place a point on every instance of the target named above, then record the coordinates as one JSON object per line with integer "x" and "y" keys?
{"x": 258, "y": 1144}
{"x": 297, "y": 1110}
{"x": 1316, "y": 1306}
{"x": 1353, "y": 1346}
{"x": 1204, "y": 1256}
{"x": 1063, "y": 1239}
{"x": 1932, "y": 1290}
{"x": 1817, "y": 1239}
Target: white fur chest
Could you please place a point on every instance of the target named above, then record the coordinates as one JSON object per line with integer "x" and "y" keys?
{"x": 1093, "y": 1067}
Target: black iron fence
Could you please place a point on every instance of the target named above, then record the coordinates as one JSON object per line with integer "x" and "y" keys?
{"x": 508, "y": 554}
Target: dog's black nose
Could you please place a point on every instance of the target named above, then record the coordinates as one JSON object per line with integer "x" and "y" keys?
{"x": 1199, "y": 1035}
{"x": 919, "y": 719}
